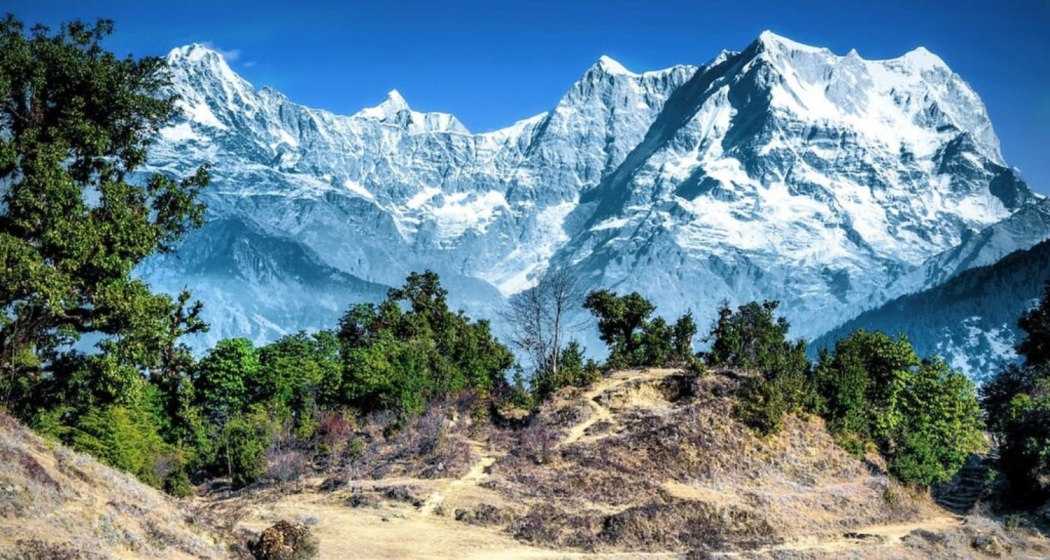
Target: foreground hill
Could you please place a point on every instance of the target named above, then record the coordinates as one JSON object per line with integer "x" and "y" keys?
{"x": 56, "y": 504}
{"x": 643, "y": 464}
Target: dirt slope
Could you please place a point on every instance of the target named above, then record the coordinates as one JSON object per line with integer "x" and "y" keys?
{"x": 643, "y": 464}
{"x": 58, "y": 504}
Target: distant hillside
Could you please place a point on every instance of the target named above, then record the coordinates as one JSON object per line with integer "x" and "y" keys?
{"x": 58, "y": 504}
{"x": 971, "y": 320}
{"x": 250, "y": 265}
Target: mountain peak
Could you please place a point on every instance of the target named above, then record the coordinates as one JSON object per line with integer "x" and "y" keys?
{"x": 923, "y": 59}
{"x": 393, "y": 104}
{"x": 193, "y": 52}
{"x": 610, "y": 66}
{"x": 771, "y": 41}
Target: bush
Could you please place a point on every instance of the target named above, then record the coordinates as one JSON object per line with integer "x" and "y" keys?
{"x": 1017, "y": 402}
{"x": 243, "y": 445}
{"x": 753, "y": 339}
{"x": 223, "y": 377}
{"x": 572, "y": 372}
{"x": 940, "y": 425}
{"x": 923, "y": 417}
{"x": 635, "y": 340}
{"x": 401, "y": 358}
{"x": 858, "y": 387}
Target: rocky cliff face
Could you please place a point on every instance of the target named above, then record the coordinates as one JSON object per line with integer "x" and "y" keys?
{"x": 782, "y": 171}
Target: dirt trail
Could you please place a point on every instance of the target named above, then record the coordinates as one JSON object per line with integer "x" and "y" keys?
{"x": 875, "y": 535}
{"x": 601, "y": 413}
{"x": 473, "y": 477}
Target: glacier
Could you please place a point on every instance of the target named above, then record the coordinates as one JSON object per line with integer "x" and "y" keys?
{"x": 783, "y": 171}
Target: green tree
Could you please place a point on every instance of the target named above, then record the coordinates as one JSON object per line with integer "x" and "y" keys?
{"x": 78, "y": 124}
{"x": 683, "y": 333}
{"x": 224, "y": 378}
{"x": 124, "y": 436}
{"x": 620, "y": 323}
{"x": 858, "y": 387}
{"x": 753, "y": 339}
{"x": 940, "y": 425}
{"x": 1035, "y": 347}
{"x": 243, "y": 443}
{"x": 411, "y": 348}
{"x": 1017, "y": 403}
{"x": 573, "y": 372}
{"x": 298, "y": 375}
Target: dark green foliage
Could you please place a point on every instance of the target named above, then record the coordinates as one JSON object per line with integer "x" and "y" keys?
{"x": 753, "y": 339}
{"x": 572, "y": 372}
{"x": 939, "y": 425}
{"x": 223, "y": 377}
{"x": 1036, "y": 325}
{"x": 411, "y": 348}
{"x": 242, "y": 447}
{"x": 298, "y": 375}
{"x": 1017, "y": 403}
{"x": 635, "y": 340}
{"x": 124, "y": 436}
{"x": 79, "y": 123}
{"x": 621, "y": 320}
{"x": 923, "y": 417}
{"x": 859, "y": 385}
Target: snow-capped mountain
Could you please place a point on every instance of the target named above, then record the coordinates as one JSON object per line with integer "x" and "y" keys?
{"x": 781, "y": 171}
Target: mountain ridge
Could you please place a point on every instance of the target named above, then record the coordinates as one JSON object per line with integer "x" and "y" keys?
{"x": 781, "y": 171}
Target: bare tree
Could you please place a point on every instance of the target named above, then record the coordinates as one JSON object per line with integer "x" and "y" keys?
{"x": 539, "y": 317}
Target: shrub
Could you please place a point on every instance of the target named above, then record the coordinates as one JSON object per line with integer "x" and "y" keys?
{"x": 572, "y": 372}
{"x": 753, "y": 339}
{"x": 411, "y": 349}
{"x": 223, "y": 377}
{"x": 940, "y": 425}
{"x": 244, "y": 442}
{"x": 285, "y": 541}
{"x": 1017, "y": 402}
{"x": 635, "y": 340}
{"x": 923, "y": 417}
{"x": 858, "y": 387}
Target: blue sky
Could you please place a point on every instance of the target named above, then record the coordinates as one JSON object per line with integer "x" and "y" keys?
{"x": 492, "y": 63}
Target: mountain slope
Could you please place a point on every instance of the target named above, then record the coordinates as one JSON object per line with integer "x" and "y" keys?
{"x": 971, "y": 320}
{"x": 782, "y": 171}
{"x": 240, "y": 272}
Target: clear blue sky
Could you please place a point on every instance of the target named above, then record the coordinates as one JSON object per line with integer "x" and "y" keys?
{"x": 491, "y": 63}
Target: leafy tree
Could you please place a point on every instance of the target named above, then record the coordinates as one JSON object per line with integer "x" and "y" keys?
{"x": 224, "y": 378}
{"x": 1017, "y": 403}
{"x": 858, "y": 387}
{"x": 682, "y": 338}
{"x": 752, "y": 338}
{"x": 922, "y": 416}
{"x": 620, "y": 323}
{"x": 125, "y": 436}
{"x": 634, "y": 339}
{"x": 298, "y": 375}
{"x": 243, "y": 443}
{"x": 78, "y": 122}
{"x": 940, "y": 425}
{"x": 411, "y": 348}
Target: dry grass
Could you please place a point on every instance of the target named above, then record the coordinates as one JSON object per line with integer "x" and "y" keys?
{"x": 58, "y": 504}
